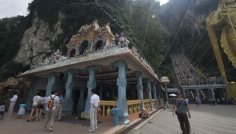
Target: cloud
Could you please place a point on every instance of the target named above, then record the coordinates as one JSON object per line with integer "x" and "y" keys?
{"x": 10, "y": 8}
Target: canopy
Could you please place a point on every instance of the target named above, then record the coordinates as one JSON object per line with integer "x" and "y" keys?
{"x": 172, "y": 95}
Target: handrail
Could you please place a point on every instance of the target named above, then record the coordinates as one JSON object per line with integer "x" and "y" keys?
{"x": 111, "y": 103}
{"x": 146, "y": 100}
{"x": 105, "y": 107}
{"x": 131, "y": 102}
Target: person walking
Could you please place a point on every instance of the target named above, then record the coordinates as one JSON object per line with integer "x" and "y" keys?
{"x": 94, "y": 109}
{"x": 21, "y": 111}
{"x": 2, "y": 109}
{"x": 61, "y": 101}
{"x": 52, "y": 103}
{"x": 181, "y": 111}
{"x": 35, "y": 108}
{"x": 197, "y": 101}
{"x": 213, "y": 101}
{"x": 12, "y": 104}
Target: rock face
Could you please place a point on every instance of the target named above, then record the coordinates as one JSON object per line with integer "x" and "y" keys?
{"x": 190, "y": 15}
{"x": 36, "y": 41}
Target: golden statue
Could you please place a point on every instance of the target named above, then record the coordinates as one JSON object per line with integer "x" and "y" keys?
{"x": 225, "y": 18}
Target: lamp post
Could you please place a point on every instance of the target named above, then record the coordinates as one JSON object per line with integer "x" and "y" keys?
{"x": 165, "y": 80}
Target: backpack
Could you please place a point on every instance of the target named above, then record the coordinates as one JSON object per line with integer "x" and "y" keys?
{"x": 51, "y": 102}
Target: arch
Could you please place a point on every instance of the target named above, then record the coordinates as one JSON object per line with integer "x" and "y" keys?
{"x": 83, "y": 46}
{"x": 72, "y": 52}
{"x": 99, "y": 43}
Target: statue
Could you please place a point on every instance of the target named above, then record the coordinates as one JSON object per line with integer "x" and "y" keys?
{"x": 123, "y": 41}
{"x": 57, "y": 53}
{"x": 46, "y": 61}
{"x": 225, "y": 18}
{"x": 95, "y": 25}
{"x": 113, "y": 42}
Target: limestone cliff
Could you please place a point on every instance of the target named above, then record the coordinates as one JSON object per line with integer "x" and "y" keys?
{"x": 187, "y": 16}
{"x": 36, "y": 41}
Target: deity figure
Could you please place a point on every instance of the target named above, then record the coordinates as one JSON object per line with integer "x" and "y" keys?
{"x": 225, "y": 18}
{"x": 57, "y": 53}
{"x": 113, "y": 42}
{"x": 46, "y": 61}
{"x": 123, "y": 41}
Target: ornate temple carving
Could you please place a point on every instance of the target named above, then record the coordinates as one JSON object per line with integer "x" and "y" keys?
{"x": 90, "y": 37}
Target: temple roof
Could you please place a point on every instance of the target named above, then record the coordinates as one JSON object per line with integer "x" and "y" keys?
{"x": 104, "y": 58}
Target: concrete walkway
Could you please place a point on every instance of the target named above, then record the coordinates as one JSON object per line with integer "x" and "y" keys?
{"x": 206, "y": 119}
{"x": 69, "y": 125}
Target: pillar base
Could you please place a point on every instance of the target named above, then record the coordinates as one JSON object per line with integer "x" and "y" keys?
{"x": 85, "y": 115}
{"x": 123, "y": 120}
{"x": 80, "y": 111}
{"x": 66, "y": 112}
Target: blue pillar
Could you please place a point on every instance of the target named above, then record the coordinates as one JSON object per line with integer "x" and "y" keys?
{"x": 227, "y": 92}
{"x": 31, "y": 92}
{"x": 155, "y": 93}
{"x": 112, "y": 93}
{"x": 184, "y": 93}
{"x": 139, "y": 87}
{"x": 158, "y": 92}
{"x": 149, "y": 92}
{"x": 91, "y": 84}
{"x": 81, "y": 99}
{"x": 122, "y": 83}
{"x": 161, "y": 91}
{"x": 67, "y": 106}
{"x": 197, "y": 93}
{"x": 51, "y": 83}
{"x": 212, "y": 92}
{"x": 101, "y": 91}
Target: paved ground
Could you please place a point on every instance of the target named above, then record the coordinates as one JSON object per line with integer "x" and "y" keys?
{"x": 13, "y": 125}
{"x": 206, "y": 119}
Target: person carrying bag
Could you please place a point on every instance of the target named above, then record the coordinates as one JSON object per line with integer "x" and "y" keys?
{"x": 181, "y": 112}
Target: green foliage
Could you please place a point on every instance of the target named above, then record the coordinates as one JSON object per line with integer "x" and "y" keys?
{"x": 47, "y": 10}
{"x": 11, "y": 32}
{"x": 12, "y": 69}
{"x": 131, "y": 15}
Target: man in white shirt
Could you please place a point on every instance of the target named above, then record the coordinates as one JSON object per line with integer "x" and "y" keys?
{"x": 51, "y": 113}
{"x": 35, "y": 109}
{"x": 12, "y": 104}
{"x": 95, "y": 107}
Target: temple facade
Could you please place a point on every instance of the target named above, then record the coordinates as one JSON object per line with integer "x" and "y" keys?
{"x": 98, "y": 59}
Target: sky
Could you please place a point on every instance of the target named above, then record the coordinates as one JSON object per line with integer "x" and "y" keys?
{"x": 163, "y": 1}
{"x": 10, "y": 8}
